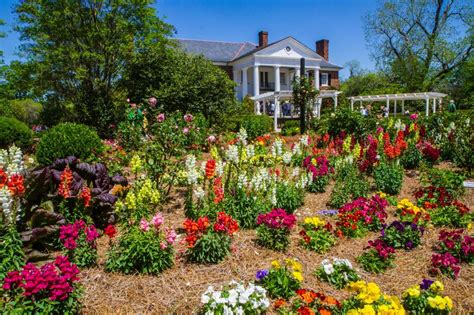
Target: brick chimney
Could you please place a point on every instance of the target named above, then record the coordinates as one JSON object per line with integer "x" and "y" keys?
{"x": 262, "y": 39}
{"x": 322, "y": 48}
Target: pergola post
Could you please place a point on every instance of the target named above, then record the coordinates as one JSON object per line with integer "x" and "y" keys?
{"x": 388, "y": 105}
{"x": 395, "y": 108}
{"x": 257, "y": 108}
{"x": 275, "y": 113}
{"x": 434, "y": 105}
{"x": 403, "y": 107}
{"x": 427, "y": 109}
{"x": 352, "y": 104}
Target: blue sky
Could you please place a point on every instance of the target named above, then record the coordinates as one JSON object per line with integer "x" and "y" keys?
{"x": 340, "y": 21}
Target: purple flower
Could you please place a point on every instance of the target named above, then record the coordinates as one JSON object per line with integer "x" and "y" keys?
{"x": 425, "y": 284}
{"x": 328, "y": 212}
{"x": 261, "y": 274}
{"x": 409, "y": 245}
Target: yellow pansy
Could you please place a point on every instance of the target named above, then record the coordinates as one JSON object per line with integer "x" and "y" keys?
{"x": 315, "y": 221}
{"x": 297, "y": 266}
{"x": 276, "y": 264}
{"x": 437, "y": 302}
{"x": 437, "y": 287}
{"x": 414, "y": 291}
{"x": 298, "y": 276}
{"x": 449, "y": 302}
{"x": 367, "y": 310}
{"x": 353, "y": 312}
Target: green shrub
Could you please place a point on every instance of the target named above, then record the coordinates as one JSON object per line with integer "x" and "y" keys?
{"x": 352, "y": 122}
{"x": 255, "y": 125}
{"x": 289, "y": 197}
{"x": 13, "y": 131}
{"x": 388, "y": 178}
{"x": 26, "y": 110}
{"x": 69, "y": 139}
{"x": 245, "y": 208}
{"x": 451, "y": 181}
{"x": 412, "y": 157}
{"x": 291, "y": 128}
{"x": 350, "y": 184}
{"x": 139, "y": 251}
{"x": 211, "y": 248}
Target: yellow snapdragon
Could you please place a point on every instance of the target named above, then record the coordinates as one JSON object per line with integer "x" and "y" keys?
{"x": 135, "y": 164}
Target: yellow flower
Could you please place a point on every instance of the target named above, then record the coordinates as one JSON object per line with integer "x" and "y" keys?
{"x": 135, "y": 164}
{"x": 382, "y": 194}
{"x": 297, "y": 266}
{"x": 315, "y": 221}
{"x": 298, "y": 276}
{"x": 367, "y": 310}
{"x": 414, "y": 291}
{"x": 214, "y": 153}
{"x": 353, "y": 312}
{"x": 276, "y": 264}
{"x": 356, "y": 286}
{"x": 437, "y": 287}
{"x": 437, "y": 302}
{"x": 449, "y": 302}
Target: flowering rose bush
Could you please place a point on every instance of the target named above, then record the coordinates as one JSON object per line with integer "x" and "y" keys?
{"x": 235, "y": 298}
{"x": 274, "y": 229}
{"x": 370, "y": 300}
{"x": 311, "y": 302}
{"x": 378, "y": 257}
{"x": 405, "y": 235}
{"x": 320, "y": 169}
{"x": 79, "y": 240}
{"x": 51, "y": 289}
{"x": 146, "y": 248}
{"x": 358, "y": 217}
{"x": 453, "y": 248}
{"x": 338, "y": 273}
{"x": 426, "y": 298}
{"x": 209, "y": 243}
{"x": 316, "y": 235}
{"x": 282, "y": 279}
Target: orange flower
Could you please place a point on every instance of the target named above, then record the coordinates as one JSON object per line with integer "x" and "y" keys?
{"x": 86, "y": 196}
{"x": 279, "y": 303}
{"x": 323, "y": 311}
{"x": 15, "y": 185}
{"x": 331, "y": 301}
{"x": 65, "y": 183}
{"x": 210, "y": 168}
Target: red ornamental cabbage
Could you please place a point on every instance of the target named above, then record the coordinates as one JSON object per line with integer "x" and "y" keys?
{"x": 277, "y": 219}
{"x": 53, "y": 280}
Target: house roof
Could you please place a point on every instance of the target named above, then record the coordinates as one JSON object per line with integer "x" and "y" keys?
{"x": 214, "y": 50}
{"x": 218, "y": 51}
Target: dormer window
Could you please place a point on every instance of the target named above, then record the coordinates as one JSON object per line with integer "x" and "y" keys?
{"x": 324, "y": 79}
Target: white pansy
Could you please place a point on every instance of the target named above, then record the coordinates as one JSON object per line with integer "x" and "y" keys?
{"x": 328, "y": 269}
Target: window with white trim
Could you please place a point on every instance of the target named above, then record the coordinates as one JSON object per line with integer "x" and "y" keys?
{"x": 324, "y": 79}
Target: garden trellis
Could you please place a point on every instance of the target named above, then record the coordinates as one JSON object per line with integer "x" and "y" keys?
{"x": 437, "y": 98}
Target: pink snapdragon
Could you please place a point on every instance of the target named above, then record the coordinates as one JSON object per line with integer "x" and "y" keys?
{"x": 188, "y": 118}
{"x": 144, "y": 226}
{"x": 160, "y": 118}
{"x": 170, "y": 235}
{"x": 157, "y": 220}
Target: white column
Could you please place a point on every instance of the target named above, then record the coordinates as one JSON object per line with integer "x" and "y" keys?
{"x": 395, "y": 108}
{"x": 388, "y": 106}
{"x": 275, "y": 114}
{"x": 352, "y": 104}
{"x": 427, "y": 109}
{"x": 257, "y": 108}
{"x": 256, "y": 81}
{"x": 316, "y": 78}
{"x": 434, "y": 105}
{"x": 244, "y": 83}
{"x": 277, "y": 78}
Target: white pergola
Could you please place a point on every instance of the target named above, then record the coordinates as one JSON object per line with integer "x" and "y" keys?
{"x": 278, "y": 96}
{"x": 426, "y": 96}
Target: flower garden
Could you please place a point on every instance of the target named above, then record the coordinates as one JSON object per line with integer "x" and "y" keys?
{"x": 170, "y": 217}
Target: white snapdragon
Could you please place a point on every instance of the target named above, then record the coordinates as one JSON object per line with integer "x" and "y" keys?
{"x": 295, "y": 172}
{"x": 6, "y": 203}
{"x": 274, "y": 196}
{"x": 242, "y": 181}
{"x": 232, "y": 154}
{"x": 191, "y": 172}
{"x": 11, "y": 160}
{"x": 287, "y": 158}
{"x": 220, "y": 168}
{"x": 277, "y": 147}
{"x": 296, "y": 149}
{"x": 250, "y": 149}
{"x": 242, "y": 135}
{"x": 199, "y": 193}
{"x": 304, "y": 141}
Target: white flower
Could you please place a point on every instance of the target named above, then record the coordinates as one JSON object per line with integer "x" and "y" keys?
{"x": 277, "y": 147}
{"x": 242, "y": 181}
{"x": 242, "y": 135}
{"x": 304, "y": 140}
{"x": 205, "y": 298}
{"x": 274, "y": 196}
{"x": 199, "y": 192}
{"x": 232, "y": 154}
{"x": 328, "y": 269}
{"x": 287, "y": 158}
{"x": 191, "y": 172}
{"x": 250, "y": 149}
{"x": 219, "y": 168}
{"x": 6, "y": 202}
{"x": 296, "y": 172}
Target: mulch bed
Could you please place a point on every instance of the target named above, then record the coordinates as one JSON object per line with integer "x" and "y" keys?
{"x": 178, "y": 290}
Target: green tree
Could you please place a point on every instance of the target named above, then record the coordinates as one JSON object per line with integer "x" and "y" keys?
{"x": 420, "y": 41}
{"x": 371, "y": 83}
{"x": 78, "y": 50}
{"x": 181, "y": 81}
{"x": 460, "y": 85}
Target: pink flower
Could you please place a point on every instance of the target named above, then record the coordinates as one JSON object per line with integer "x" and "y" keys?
{"x": 414, "y": 116}
{"x": 211, "y": 139}
{"x": 160, "y": 118}
{"x": 157, "y": 220}
{"x": 188, "y": 118}
{"x": 152, "y": 101}
{"x": 144, "y": 226}
{"x": 170, "y": 236}
{"x": 163, "y": 245}
{"x": 186, "y": 130}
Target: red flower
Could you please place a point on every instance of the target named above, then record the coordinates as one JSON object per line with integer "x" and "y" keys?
{"x": 3, "y": 178}
{"x": 110, "y": 231}
{"x": 225, "y": 223}
{"x": 210, "y": 168}
{"x": 65, "y": 183}
{"x": 218, "y": 190}
{"x": 16, "y": 185}
{"x": 85, "y": 195}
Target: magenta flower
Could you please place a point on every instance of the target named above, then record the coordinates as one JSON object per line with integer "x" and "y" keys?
{"x": 160, "y": 118}
{"x": 157, "y": 220}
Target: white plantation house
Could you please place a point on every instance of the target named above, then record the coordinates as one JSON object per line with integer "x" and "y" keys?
{"x": 265, "y": 71}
